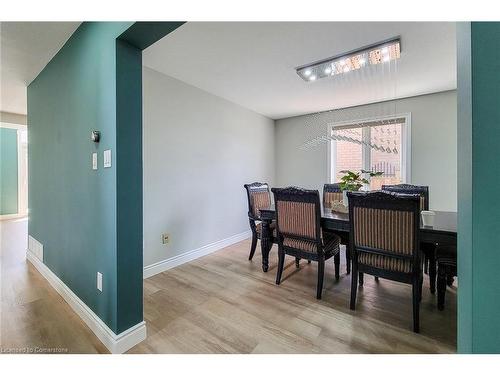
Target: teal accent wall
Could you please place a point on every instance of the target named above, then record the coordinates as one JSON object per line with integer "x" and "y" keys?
{"x": 479, "y": 219}
{"x": 144, "y": 34}
{"x": 91, "y": 221}
{"x": 129, "y": 190}
{"x": 73, "y": 209}
{"x": 464, "y": 162}
{"x": 8, "y": 172}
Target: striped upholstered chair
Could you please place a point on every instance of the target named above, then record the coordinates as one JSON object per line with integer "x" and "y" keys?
{"x": 429, "y": 249}
{"x": 422, "y": 191}
{"x": 332, "y": 193}
{"x": 384, "y": 240}
{"x": 259, "y": 196}
{"x": 298, "y": 223}
{"x": 447, "y": 269}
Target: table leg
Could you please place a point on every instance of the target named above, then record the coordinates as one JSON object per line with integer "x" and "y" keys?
{"x": 441, "y": 286}
{"x": 432, "y": 272}
{"x": 266, "y": 243}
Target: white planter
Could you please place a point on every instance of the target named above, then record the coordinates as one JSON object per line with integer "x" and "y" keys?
{"x": 345, "y": 201}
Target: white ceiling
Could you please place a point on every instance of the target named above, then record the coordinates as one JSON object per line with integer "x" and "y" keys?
{"x": 252, "y": 63}
{"x": 26, "y": 47}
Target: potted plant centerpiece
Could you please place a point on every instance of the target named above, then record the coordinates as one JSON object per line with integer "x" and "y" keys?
{"x": 352, "y": 181}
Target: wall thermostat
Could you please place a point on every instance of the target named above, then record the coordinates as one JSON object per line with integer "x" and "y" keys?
{"x": 95, "y": 135}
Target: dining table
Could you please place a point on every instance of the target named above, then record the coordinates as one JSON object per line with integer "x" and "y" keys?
{"x": 443, "y": 232}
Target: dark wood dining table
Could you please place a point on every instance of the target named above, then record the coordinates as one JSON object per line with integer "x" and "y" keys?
{"x": 443, "y": 232}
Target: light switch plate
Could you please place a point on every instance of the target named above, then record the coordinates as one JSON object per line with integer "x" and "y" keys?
{"x": 107, "y": 158}
{"x": 99, "y": 281}
{"x": 94, "y": 161}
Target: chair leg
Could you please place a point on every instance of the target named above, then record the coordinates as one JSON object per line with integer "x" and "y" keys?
{"x": 416, "y": 306}
{"x": 441, "y": 286}
{"x": 336, "y": 260}
{"x": 376, "y": 279}
{"x": 426, "y": 262}
{"x": 354, "y": 286}
{"x": 348, "y": 259}
{"x": 361, "y": 278}
{"x": 321, "y": 273}
{"x": 297, "y": 262}
{"x": 449, "y": 280}
{"x": 309, "y": 261}
{"x": 421, "y": 287}
{"x": 254, "y": 246}
{"x": 432, "y": 273}
{"x": 281, "y": 263}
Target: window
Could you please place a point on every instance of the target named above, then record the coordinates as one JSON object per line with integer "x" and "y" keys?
{"x": 379, "y": 145}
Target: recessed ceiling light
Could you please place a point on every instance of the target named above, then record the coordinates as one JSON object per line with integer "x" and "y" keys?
{"x": 371, "y": 55}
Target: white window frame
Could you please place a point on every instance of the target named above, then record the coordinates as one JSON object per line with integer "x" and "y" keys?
{"x": 22, "y": 193}
{"x": 405, "y": 153}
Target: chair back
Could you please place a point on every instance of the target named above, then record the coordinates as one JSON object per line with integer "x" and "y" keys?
{"x": 258, "y": 197}
{"x": 298, "y": 217}
{"x": 423, "y": 191}
{"x": 384, "y": 230}
{"x": 331, "y": 193}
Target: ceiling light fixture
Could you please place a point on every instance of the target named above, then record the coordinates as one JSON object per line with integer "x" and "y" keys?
{"x": 373, "y": 54}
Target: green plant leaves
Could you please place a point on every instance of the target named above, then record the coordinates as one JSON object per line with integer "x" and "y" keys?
{"x": 352, "y": 181}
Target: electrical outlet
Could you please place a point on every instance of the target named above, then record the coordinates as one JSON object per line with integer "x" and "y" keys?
{"x": 99, "y": 281}
{"x": 94, "y": 161}
{"x": 165, "y": 238}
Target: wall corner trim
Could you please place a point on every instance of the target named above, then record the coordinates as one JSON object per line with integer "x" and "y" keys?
{"x": 114, "y": 343}
{"x": 164, "y": 265}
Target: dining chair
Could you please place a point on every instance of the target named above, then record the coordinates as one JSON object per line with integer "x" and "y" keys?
{"x": 429, "y": 249}
{"x": 332, "y": 193}
{"x": 422, "y": 191}
{"x": 259, "y": 197}
{"x": 299, "y": 234}
{"x": 446, "y": 258}
{"x": 384, "y": 238}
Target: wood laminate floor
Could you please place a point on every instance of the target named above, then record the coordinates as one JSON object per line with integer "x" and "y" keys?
{"x": 33, "y": 316}
{"x": 223, "y": 303}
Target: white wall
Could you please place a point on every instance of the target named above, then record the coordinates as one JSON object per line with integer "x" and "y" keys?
{"x": 433, "y": 151}
{"x": 199, "y": 150}
{"x": 13, "y": 118}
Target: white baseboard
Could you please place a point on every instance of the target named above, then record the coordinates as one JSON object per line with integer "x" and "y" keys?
{"x": 177, "y": 260}
{"x": 115, "y": 343}
{"x": 13, "y": 216}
